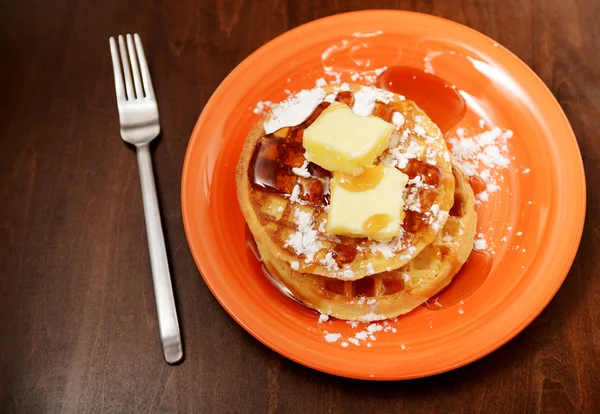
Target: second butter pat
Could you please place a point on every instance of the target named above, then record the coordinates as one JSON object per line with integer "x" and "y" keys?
{"x": 374, "y": 211}
{"x": 339, "y": 140}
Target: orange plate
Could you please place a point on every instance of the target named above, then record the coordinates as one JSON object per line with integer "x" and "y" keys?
{"x": 547, "y": 205}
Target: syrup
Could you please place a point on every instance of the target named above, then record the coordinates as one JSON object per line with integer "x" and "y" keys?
{"x": 466, "y": 282}
{"x": 345, "y": 97}
{"x": 364, "y": 287}
{"x": 369, "y": 179}
{"x": 277, "y": 154}
{"x": 430, "y": 173}
{"x": 391, "y": 285}
{"x": 442, "y": 103}
{"x": 477, "y": 184}
{"x": 376, "y": 223}
{"x": 344, "y": 253}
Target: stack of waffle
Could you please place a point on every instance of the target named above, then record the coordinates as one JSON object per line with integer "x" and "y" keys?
{"x": 285, "y": 201}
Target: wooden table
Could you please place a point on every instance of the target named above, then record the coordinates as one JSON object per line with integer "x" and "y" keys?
{"x": 78, "y": 330}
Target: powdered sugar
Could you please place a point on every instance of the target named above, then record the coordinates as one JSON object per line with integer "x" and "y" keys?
{"x": 332, "y": 337}
{"x": 364, "y": 336}
{"x": 295, "y": 196}
{"x": 262, "y": 107}
{"x": 302, "y": 171}
{"x": 399, "y": 157}
{"x": 447, "y": 238}
{"x": 346, "y": 274}
{"x": 304, "y": 241}
{"x": 365, "y": 98}
{"x": 329, "y": 262}
{"x": 294, "y": 110}
{"x": 483, "y": 154}
{"x": 480, "y": 243}
{"x": 384, "y": 248}
{"x": 320, "y": 82}
{"x": 398, "y": 119}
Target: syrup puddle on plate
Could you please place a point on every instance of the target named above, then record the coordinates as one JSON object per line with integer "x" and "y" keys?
{"x": 440, "y": 101}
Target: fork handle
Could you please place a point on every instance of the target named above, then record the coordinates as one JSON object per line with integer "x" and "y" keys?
{"x": 163, "y": 291}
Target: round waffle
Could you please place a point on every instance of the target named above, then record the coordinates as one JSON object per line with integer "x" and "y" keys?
{"x": 393, "y": 293}
{"x": 279, "y": 204}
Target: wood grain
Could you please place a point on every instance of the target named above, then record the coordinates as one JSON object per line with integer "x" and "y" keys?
{"x": 78, "y": 330}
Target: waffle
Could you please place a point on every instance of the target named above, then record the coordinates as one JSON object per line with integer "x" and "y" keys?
{"x": 279, "y": 204}
{"x": 389, "y": 294}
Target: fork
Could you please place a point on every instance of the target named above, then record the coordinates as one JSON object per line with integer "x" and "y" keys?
{"x": 138, "y": 115}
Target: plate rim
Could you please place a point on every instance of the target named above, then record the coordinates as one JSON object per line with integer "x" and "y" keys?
{"x": 510, "y": 334}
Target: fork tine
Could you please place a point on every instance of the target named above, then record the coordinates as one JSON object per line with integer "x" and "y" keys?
{"x": 126, "y": 70}
{"x": 119, "y": 87}
{"x": 135, "y": 68}
{"x": 143, "y": 67}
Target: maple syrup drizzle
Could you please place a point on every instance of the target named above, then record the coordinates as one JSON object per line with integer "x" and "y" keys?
{"x": 344, "y": 253}
{"x": 370, "y": 178}
{"x": 477, "y": 184}
{"x": 442, "y": 103}
{"x": 275, "y": 156}
{"x": 345, "y": 97}
{"x": 376, "y": 223}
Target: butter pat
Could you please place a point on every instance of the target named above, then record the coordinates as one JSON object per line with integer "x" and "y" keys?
{"x": 369, "y": 205}
{"x": 339, "y": 140}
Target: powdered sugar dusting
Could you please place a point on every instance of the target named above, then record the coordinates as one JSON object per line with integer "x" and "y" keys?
{"x": 332, "y": 337}
{"x": 483, "y": 154}
{"x": 329, "y": 263}
{"x": 384, "y": 248}
{"x": 302, "y": 171}
{"x": 365, "y": 98}
{"x": 262, "y": 106}
{"x": 294, "y": 110}
{"x": 304, "y": 241}
{"x": 365, "y": 335}
{"x": 480, "y": 243}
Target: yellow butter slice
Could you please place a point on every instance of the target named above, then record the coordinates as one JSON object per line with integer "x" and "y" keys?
{"x": 339, "y": 140}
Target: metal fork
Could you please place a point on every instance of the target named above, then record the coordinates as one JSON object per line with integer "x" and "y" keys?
{"x": 138, "y": 114}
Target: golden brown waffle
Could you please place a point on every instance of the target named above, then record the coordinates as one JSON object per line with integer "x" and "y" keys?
{"x": 279, "y": 205}
{"x": 389, "y": 294}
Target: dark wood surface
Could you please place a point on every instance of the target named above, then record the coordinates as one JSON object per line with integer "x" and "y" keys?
{"x": 78, "y": 331}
